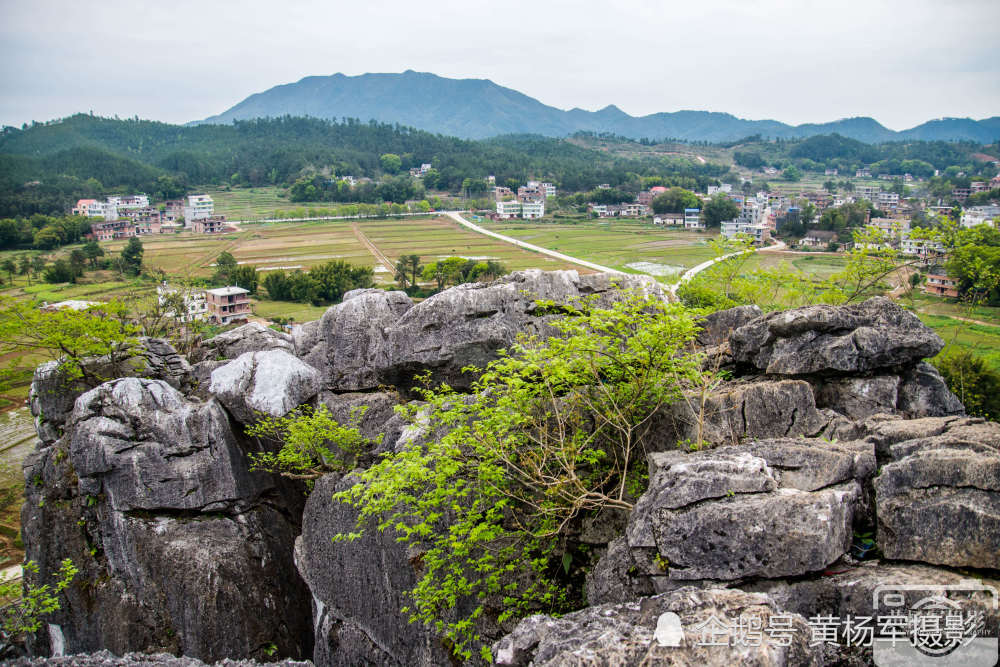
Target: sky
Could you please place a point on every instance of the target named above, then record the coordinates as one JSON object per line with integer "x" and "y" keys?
{"x": 796, "y": 61}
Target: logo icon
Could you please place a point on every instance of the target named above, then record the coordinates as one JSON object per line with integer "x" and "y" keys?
{"x": 668, "y": 630}
{"x": 927, "y": 625}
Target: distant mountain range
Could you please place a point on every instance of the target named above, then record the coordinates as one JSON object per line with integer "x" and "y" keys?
{"x": 479, "y": 108}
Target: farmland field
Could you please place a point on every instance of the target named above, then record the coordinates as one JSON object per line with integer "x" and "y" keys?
{"x": 301, "y": 245}
{"x": 615, "y": 244}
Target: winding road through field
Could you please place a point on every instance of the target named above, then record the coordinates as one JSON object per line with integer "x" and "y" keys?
{"x": 672, "y": 288}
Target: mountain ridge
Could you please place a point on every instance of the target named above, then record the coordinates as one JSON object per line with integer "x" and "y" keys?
{"x": 480, "y": 108}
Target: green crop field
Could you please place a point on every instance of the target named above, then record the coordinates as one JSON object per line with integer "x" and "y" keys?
{"x": 616, "y": 244}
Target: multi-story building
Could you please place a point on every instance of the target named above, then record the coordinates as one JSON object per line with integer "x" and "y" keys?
{"x": 501, "y": 193}
{"x": 941, "y": 285}
{"x": 198, "y": 208}
{"x": 668, "y": 219}
{"x": 887, "y": 201}
{"x": 979, "y": 186}
{"x": 725, "y": 188}
{"x": 863, "y": 173}
{"x": 530, "y": 192}
{"x": 550, "y": 189}
{"x": 692, "y": 219}
{"x": 508, "y": 209}
{"x": 919, "y": 247}
{"x": 194, "y": 302}
{"x": 114, "y": 229}
{"x": 869, "y": 192}
{"x": 830, "y": 172}
{"x": 961, "y": 194}
{"x": 531, "y": 210}
{"x": 634, "y": 210}
{"x": 227, "y": 304}
{"x": 980, "y": 215}
{"x": 210, "y": 225}
{"x": 818, "y": 239}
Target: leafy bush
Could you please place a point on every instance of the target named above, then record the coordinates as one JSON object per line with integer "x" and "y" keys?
{"x": 313, "y": 443}
{"x": 23, "y": 608}
{"x": 555, "y": 430}
{"x": 971, "y": 379}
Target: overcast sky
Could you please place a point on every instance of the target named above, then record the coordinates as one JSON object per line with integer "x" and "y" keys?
{"x": 791, "y": 60}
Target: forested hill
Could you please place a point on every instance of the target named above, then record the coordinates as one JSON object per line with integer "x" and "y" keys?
{"x": 479, "y": 108}
{"x": 44, "y": 167}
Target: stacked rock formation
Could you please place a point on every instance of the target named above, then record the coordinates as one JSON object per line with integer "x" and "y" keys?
{"x": 832, "y": 425}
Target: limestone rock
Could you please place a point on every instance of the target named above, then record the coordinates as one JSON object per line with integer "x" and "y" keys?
{"x": 162, "y": 362}
{"x": 151, "y": 496}
{"x": 923, "y": 393}
{"x": 466, "y": 325}
{"x": 859, "y": 397}
{"x": 717, "y": 327}
{"x": 626, "y": 634}
{"x": 349, "y": 343}
{"x": 851, "y": 591}
{"x": 272, "y": 382}
{"x": 771, "y": 508}
{"x": 735, "y": 412}
{"x": 938, "y": 499}
{"x": 358, "y": 588}
{"x": 835, "y": 339}
{"x": 375, "y": 413}
{"x": 251, "y": 337}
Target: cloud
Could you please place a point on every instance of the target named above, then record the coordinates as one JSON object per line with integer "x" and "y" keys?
{"x": 801, "y": 61}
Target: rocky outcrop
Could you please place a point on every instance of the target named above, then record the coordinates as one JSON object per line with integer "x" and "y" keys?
{"x": 770, "y": 509}
{"x": 736, "y": 412}
{"x": 151, "y": 497}
{"x": 938, "y": 498}
{"x": 353, "y": 628}
{"x": 349, "y": 342}
{"x": 835, "y": 339}
{"x": 146, "y": 484}
{"x": 664, "y": 629}
{"x": 108, "y": 659}
{"x": 466, "y": 325}
{"x": 270, "y": 383}
{"x": 252, "y": 337}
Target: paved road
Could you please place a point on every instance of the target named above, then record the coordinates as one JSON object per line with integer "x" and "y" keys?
{"x": 457, "y": 217}
{"x": 672, "y": 288}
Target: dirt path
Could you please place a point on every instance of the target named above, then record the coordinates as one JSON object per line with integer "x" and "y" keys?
{"x": 372, "y": 248}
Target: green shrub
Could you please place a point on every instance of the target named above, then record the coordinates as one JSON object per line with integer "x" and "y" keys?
{"x": 554, "y": 430}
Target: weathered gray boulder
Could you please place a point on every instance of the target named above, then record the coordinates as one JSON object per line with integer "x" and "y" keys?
{"x": 162, "y": 362}
{"x": 634, "y": 633}
{"x": 273, "y": 383}
{"x": 358, "y": 588}
{"x": 770, "y": 508}
{"x": 923, "y": 393}
{"x": 717, "y": 327}
{"x": 349, "y": 342}
{"x": 859, "y": 397}
{"x": 54, "y": 390}
{"x": 180, "y": 547}
{"x": 938, "y": 498}
{"x": 850, "y": 591}
{"x": 251, "y": 337}
{"x": 466, "y": 325}
{"x": 108, "y": 659}
{"x": 835, "y": 339}
{"x": 737, "y": 412}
